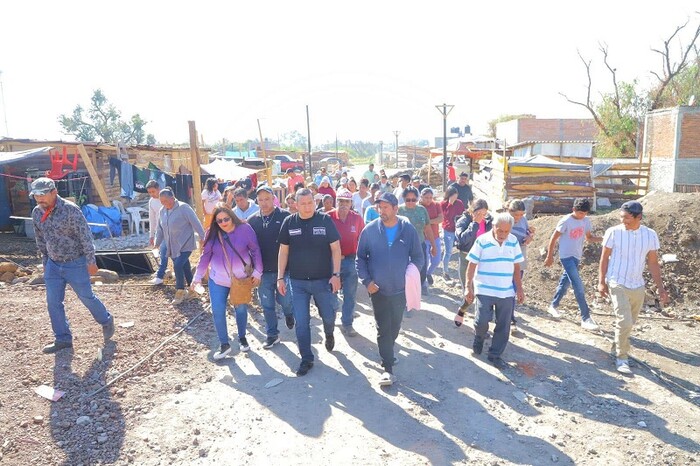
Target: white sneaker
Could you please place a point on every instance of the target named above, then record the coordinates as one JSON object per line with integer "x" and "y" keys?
{"x": 589, "y": 324}
{"x": 623, "y": 366}
{"x": 553, "y": 312}
{"x": 156, "y": 281}
{"x": 386, "y": 379}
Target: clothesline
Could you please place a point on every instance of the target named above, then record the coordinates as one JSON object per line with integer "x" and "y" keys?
{"x": 29, "y": 179}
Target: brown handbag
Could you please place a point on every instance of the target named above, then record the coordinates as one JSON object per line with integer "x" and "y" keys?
{"x": 241, "y": 290}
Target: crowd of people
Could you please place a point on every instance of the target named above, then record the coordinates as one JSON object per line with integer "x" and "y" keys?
{"x": 389, "y": 234}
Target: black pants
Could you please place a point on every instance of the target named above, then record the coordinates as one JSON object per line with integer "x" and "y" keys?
{"x": 388, "y": 312}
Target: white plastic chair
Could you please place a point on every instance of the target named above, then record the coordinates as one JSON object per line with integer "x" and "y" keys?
{"x": 136, "y": 220}
{"x": 126, "y": 216}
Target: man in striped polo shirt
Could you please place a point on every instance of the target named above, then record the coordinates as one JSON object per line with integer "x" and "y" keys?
{"x": 626, "y": 248}
{"x": 494, "y": 266}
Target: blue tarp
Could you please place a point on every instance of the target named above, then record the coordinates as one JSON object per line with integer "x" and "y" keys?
{"x": 104, "y": 215}
{"x": 246, "y": 154}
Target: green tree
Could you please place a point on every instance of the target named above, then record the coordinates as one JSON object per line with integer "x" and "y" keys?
{"x": 502, "y": 119}
{"x": 102, "y": 122}
{"x": 620, "y": 112}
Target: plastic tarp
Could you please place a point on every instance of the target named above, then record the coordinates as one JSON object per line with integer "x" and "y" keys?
{"x": 540, "y": 161}
{"x": 11, "y": 157}
{"x": 227, "y": 170}
{"x": 103, "y": 215}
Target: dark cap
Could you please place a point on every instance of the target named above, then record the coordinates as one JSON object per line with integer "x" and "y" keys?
{"x": 42, "y": 186}
{"x": 265, "y": 188}
{"x": 406, "y": 177}
{"x": 633, "y": 207}
{"x": 464, "y": 174}
{"x": 387, "y": 197}
{"x": 246, "y": 183}
{"x": 289, "y": 170}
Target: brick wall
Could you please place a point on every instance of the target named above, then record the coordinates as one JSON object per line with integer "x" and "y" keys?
{"x": 533, "y": 129}
{"x": 660, "y": 135}
{"x": 689, "y": 146}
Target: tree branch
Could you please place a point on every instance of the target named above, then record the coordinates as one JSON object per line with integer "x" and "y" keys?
{"x": 616, "y": 102}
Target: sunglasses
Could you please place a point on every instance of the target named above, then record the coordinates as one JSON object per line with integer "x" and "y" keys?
{"x": 223, "y": 220}
{"x": 413, "y": 199}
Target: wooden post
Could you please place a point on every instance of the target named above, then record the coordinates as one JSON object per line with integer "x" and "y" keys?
{"x": 268, "y": 169}
{"x": 104, "y": 198}
{"x": 196, "y": 172}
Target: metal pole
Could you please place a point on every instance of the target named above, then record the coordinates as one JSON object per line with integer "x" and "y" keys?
{"x": 443, "y": 109}
{"x": 396, "y": 133}
{"x": 381, "y": 152}
{"x": 308, "y": 138}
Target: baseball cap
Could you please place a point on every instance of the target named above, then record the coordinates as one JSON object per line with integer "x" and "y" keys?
{"x": 633, "y": 207}
{"x": 42, "y": 186}
{"x": 289, "y": 170}
{"x": 343, "y": 181}
{"x": 406, "y": 177}
{"x": 344, "y": 194}
{"x": 416, "y": 178}
{"x": 464, "y": 174}
{"x": 387, "y": 197}
{"x": 265, "y": 188}
{"x": 246, "y": 183}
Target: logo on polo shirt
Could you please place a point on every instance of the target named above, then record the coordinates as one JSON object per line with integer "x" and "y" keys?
{"x": 295, "y": 232}
{"x": 319, "y": 231}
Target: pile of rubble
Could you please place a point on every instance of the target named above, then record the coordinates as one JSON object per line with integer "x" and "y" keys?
{"x": 13, "y": 273}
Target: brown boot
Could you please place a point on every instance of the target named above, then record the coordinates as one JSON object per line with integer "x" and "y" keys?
{"x": 180, "y": 296}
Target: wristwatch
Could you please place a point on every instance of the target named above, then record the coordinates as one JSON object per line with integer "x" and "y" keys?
{"x": 336, "y": 274}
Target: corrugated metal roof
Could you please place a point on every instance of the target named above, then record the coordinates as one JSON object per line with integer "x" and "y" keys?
{"x": 527, "y": 143}
{"x": 11, "y": 157}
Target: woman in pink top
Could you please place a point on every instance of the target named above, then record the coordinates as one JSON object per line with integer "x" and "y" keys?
{"x": 230, "y": 244}
{"x": 326, "y": 188}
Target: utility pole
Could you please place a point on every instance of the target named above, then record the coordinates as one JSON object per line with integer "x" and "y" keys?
{"x": 381, "y": 152}
{"x": 308, "y": 138}
{"x": 396, "y": 133}
{"x": 444, "y": 109}
{"x": 268, "y": 169}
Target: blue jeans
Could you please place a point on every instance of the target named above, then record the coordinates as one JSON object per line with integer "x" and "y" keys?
{"x": 348, "y": 280}
{"x": 269, "y": 298}
{"x": 449, "y": 238}
{"x": 218, "y": 295}
{"x": 434, "y": 261}
{"x": 74, "y": 273}
{"x": 571, "y": 276}
{"x": 163, "y": 260}
{"x": 183, "y": 270}
{"x": 302, "y": 291}
{"x": 485, "y": 308}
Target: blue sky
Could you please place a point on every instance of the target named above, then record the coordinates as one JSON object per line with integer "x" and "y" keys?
{"x": 364, "y": 68}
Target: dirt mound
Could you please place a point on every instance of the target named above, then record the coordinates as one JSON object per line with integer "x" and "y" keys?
{"x": 669, "y": 214}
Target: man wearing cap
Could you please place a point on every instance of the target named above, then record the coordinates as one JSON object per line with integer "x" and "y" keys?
{"x": 404, "y": 181}
{"x": 464, "y": 191}
{"x": 267, "y": 224}
{"x": 418, "y": 184}
{"x": 349, "y": 225}
{"x": 65, "y": 242}
{"x": 387, "y": 246}
{"x": 245, "y": 208}
{"x": 310, "y": 246}
{"x": 293, "y": 178}
{"x": 385, "y": 186}
{"x": 626, "y": 247}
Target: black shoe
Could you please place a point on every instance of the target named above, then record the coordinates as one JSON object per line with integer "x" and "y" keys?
{"x": 330, "y": 341}
{"x": 271, "y": 341}
{"x": 478, "y": 345}
{"x": 498, "y": 362}
{"x": 243, "y": 344}
{"x": 446, "y": 276}
{"x": 56, "y": 346}
{"x": 429, "y": 278}
{"x": 224, "y": 351}
{"x": 108, "y": 330}
{"x": 289, "y": 320}
{"x": 304, "y": 368}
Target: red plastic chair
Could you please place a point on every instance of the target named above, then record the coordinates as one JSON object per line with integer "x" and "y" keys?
{"x": 58, "y": 161}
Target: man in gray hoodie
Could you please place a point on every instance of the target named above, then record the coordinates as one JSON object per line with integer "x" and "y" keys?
{"x": 176, "y": 227}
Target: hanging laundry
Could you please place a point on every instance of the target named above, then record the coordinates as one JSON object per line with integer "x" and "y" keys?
{"x": 141, "y": 177}
{"x": 115, "y": 168}
{"x": 127, "y": 180}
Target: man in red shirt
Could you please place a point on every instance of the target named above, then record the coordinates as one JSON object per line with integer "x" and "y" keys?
{"x": 349, "y": 225}
{"x": 293, "y": 179}
{"x": 451, "y": 173}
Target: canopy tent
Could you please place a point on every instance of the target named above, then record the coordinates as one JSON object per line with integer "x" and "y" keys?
{"x": 227, "y": 170}
{"x": 11, "y": 157}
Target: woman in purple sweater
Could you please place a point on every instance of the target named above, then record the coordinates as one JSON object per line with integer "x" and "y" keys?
{"x": 227, "y": 231}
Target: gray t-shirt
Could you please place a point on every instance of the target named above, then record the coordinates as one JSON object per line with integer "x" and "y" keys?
{"x": 573, "y": 233}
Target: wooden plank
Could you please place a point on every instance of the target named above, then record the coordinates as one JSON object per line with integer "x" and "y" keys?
{"x": 543, "y": 188}
{"x": 96, "y": 182}
{"x": 196, "y": 173}
{"x": 607, "y": 175}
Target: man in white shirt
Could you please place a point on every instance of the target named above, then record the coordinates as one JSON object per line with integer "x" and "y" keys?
{"x": 493, "y": 278}
{"x": 626, "y": 248}
{"x": 404, "y": 181}
{"x": 244, "y": 207}
{"x": 360, "y": 197}
{"x": 154, "y": 206}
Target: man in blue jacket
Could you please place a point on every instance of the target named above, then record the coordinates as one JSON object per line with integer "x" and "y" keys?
{"x": 387, "y": 246}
